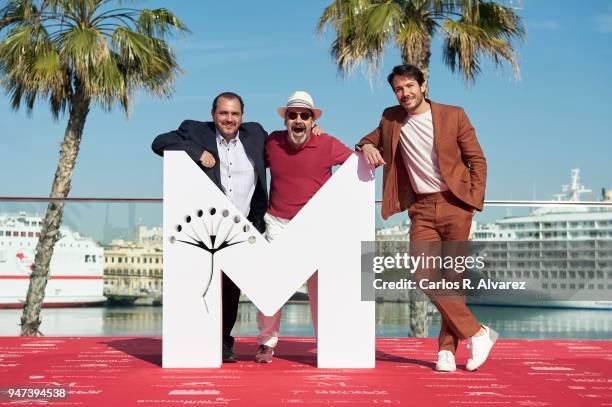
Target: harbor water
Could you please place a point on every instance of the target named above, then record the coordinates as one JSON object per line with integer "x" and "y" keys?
{"x": 391, "y": 321}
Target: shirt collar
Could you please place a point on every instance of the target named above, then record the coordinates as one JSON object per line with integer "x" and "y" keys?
{"x": 423, "y": 115}
{"x": 223, "y": 142}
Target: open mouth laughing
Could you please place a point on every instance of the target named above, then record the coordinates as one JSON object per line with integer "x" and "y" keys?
{"x": 298, "y": 129}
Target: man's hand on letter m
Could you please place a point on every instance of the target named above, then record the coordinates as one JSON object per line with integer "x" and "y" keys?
{"x": 372, "y": 155}
{"x": 207, "y": 159}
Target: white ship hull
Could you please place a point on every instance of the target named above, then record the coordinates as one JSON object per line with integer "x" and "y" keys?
{"x": 76, "y": 275}
{"x": 58, "y": 293}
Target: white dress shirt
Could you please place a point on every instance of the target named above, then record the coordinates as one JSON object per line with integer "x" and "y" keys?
{"x": 419, "y": 154}
{"x": 238, "y": 176}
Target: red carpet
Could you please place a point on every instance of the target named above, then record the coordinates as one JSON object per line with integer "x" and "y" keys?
{"x": 121, "y": 372}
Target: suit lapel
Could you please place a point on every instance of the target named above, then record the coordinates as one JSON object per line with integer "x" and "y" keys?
{"x": 438, "y": 126}
{"x": 250, "y": 149}
{"x": 396, "y": 128}
{"x": 245, "y": 139}
{"x": 247, "y": 143}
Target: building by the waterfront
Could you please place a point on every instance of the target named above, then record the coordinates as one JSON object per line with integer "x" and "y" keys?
{"x": 148, "y": 236}
{"x": 133, "y": 270}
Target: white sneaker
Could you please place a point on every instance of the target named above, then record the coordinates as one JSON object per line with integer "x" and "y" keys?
{"x": 480, "y": 346}
{"x": 446, "y": 361}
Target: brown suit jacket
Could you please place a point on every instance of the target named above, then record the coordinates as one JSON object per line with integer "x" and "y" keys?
{"x": 462, "y": 163}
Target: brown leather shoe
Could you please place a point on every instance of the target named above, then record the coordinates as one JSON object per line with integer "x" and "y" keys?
{"x": 264, "y": 354}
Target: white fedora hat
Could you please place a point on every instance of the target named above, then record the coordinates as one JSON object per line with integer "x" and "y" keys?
{"x": 300, "y": 99}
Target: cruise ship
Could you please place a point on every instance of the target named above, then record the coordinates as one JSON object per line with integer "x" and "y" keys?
{"x": 562, "y": 253}
{"x": 76, "y": 270}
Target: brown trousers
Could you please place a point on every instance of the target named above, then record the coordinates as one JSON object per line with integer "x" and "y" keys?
{"x": 441, "y": 217}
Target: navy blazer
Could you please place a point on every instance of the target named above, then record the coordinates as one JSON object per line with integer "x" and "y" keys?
{"x": 195, "y": 137}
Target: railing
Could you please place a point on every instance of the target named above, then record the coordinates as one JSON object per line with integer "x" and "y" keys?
{"x": 491, "y": 202}
{"x": 107, "y": 218}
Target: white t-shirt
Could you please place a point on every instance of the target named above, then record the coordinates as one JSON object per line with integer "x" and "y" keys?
{"x": 419, "y": 154}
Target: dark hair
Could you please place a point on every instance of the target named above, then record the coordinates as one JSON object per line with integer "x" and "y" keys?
{"x": 406, "y": 70}
{"x": 228, "y": 95}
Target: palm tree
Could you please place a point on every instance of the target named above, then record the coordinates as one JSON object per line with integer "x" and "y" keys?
{"x": 470, "y": 29}
{"x": 75, "y": 54}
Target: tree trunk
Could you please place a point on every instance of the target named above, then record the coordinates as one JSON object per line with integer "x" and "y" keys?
{"x": 418, "y": 314}
{"x": 419, "y": 54}
{"x": 79, "y": 108}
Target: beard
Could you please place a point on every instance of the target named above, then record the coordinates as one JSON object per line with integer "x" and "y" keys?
{"x": 297, "y": 138}
{"x": 412, "y": 102}
{"x": 298, "y": 135}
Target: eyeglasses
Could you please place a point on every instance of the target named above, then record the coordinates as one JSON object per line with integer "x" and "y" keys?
{"x": 303, "y": 115}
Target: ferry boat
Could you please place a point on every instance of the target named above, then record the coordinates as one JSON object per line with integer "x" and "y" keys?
{"x": 76, "y": 275}
{"x": 562, "y": 253}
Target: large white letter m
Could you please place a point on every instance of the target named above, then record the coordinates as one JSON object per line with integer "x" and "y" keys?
{"x": 205, "y": 234}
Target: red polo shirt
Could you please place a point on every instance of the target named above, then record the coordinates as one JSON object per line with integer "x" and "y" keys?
{"x": 298, "y": 174}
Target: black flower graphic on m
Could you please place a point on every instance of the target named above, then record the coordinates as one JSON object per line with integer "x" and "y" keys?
{"x": 212, "y": 230}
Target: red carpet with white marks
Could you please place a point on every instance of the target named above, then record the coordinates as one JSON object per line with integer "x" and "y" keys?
{"x": 121, "y": 372}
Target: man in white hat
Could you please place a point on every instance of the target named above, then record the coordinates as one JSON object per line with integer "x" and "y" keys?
{"x": 299, "y": 166}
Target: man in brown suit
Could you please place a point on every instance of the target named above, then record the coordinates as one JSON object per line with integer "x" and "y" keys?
{"x": 435, "y": 169}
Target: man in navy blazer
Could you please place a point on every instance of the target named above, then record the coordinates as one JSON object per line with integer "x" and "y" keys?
{"x": 232, "y": 155}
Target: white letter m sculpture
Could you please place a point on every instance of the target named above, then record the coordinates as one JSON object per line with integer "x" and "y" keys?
{"x": 204, "y": 235}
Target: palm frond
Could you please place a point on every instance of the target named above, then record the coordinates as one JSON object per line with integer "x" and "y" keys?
{"x": 500, "y": 22}
{"x": 414, "y": 41}
{"x": 30, "y": 66}
{"x": 363, "y": 28}
{"x": 80, "y": 48}
{"x": 471, "y": 29}
{"x": 13, "y": 13}
{"x": 159, "y": 23}
{"x": 49, "y": 46}
{"x": 487, "y": 32}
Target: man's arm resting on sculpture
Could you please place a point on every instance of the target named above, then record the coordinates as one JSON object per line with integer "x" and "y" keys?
{"x": 180, "y": 140}
{"x": 370, "y": 145}
{"x": 371, "y": 154}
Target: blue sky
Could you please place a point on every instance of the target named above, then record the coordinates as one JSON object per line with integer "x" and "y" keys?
{"x": 533, "y": 131}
